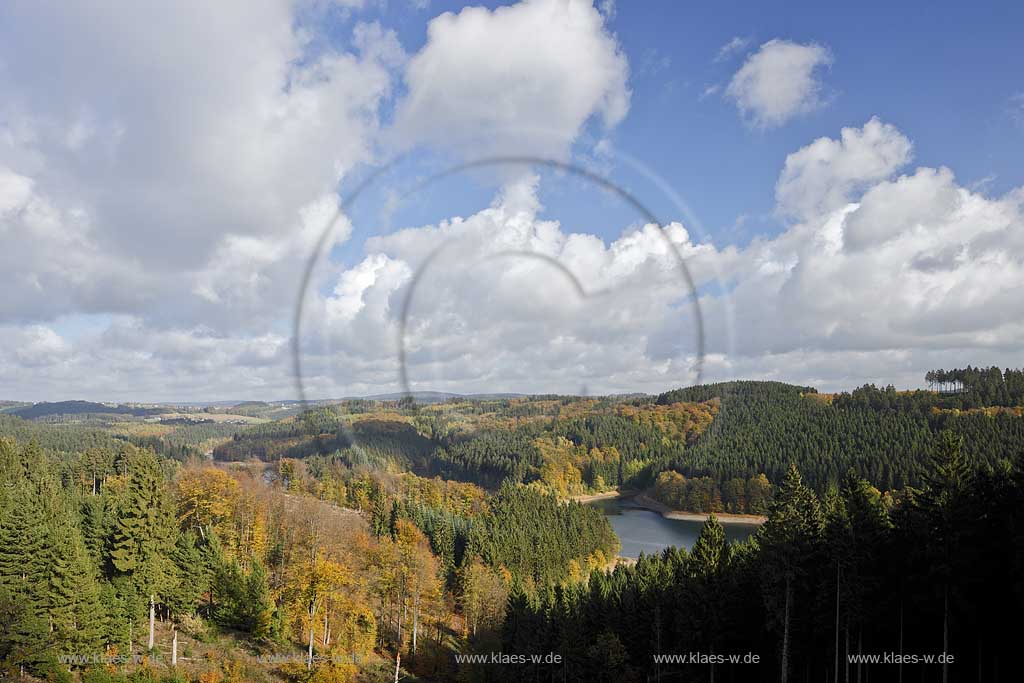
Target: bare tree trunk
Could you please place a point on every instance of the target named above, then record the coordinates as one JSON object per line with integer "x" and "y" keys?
{"x": 398, "y": 647}
{"x": 901, "y": 637}
{"x": 835, "y": 679}
{"x": 785, "y": 631}
{"x": 174, "y": 646}
{"x": 152, "y": 619}
{"x": 309, "y": 654}
{"x": 415, "y": 621}
{"x": 860, "y": 651}
{"x": 401, "y": 613}
{"x": 847, "y": 665}
{"x": 980, "y": 661}
{"x": 312, "y": 629}
{"x": 945, "y": 632}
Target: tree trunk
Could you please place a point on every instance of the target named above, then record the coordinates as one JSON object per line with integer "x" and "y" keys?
{"x": 312, "y": 629}
{"x": 860, "y": 651}
{"x": 401, "y": 613}
{"x": 980, "y": 661}
{"x": 309, "y": 654}
{"x": 901, "y": 639}
{"x": 847, "y": 665}
{"x": 415, "y": 621}
{"x": 785, "y": 630}
{"x": 835, "y": 679}
{"x": 398, "y": 647}
{"x": 174, "y": 646}
{"x": 152, "y": 618}
{"x": 945, "y": 632}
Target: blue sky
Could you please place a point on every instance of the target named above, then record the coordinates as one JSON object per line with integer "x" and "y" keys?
{"x": 944, "y": 73}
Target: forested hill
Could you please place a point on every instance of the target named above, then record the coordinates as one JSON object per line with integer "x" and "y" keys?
{"x": 879, "y": 434}
{"x": 715, "y": 447}
{"x": 45, "y": 409}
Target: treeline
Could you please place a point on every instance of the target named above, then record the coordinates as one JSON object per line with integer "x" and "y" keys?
{"x": 613, "y": 445}
{"x": 979, "y": 387}
{"x": 56, "y": 438}
{"x": 826, "y": 577}
{"x": 539, "y": 539}
{"x": 763, "y": 426}
{"x": 113, "y": 553}
{"x": 703, "y": 494}
{"x": 322, "y": 432}
{"x": 45, "y": 409}
{"x": 524, "y": 532}
{"x": 490, "y": 457}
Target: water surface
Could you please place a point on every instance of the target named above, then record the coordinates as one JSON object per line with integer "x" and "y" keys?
{"x": 648, "y": 532}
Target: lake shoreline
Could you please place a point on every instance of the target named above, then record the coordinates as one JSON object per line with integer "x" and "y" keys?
{"x": 591, "y": 497}
{"x": 646, "y": 502}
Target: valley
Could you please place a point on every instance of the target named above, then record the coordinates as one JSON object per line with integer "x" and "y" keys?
{"x": 351, "y": 539}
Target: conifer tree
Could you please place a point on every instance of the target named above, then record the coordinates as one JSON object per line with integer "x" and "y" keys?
{"x": 142, "y": 535}
{"x": 790, "y": 544}
{"x": 23, "y": 579}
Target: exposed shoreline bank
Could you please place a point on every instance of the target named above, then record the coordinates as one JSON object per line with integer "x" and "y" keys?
{"x": 591, "y": 497}
{"x": 647, "y": 503}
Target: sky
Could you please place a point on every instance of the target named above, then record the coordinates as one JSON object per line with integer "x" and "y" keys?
{"x": 791, "y": 191}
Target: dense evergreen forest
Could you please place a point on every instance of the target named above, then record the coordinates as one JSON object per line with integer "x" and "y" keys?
{"x": 880, "y": 434}
{"x": 716, "y": 447}
{"x": 824, "y": 578}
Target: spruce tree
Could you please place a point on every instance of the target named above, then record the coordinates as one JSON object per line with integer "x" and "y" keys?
{"x": 73, "y": 598}
{"x": 23, "y": 579}
{"x": 790, "y": 542}
{"x": 142, "y": 534}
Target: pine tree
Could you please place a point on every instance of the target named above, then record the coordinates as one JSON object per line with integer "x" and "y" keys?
{"x": 144, "y": 523}
{"x": 711, "y": 551}
{"x": 443, "y": 544}
{"x": 23, "y": 578}
{"x": 790, "y": 545}
{"x": 24, "y": 635}
{"x": 73, "y": 599}
{"x": 142, "y": 535}
{"x": 260, "y": 604}
{"x": 193, "y": 574}
{"x": 379, "y": 517}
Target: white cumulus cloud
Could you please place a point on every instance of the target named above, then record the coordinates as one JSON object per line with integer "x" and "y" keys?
{"x": 779, "y": 81}
{"x": 521, "y": 79}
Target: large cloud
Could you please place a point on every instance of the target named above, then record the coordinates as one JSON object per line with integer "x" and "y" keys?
{"x": 913, "y": 272}
{"x": 916, "y": 264}
{"x": 486, "y": 317}
{"x": 779, "y": 81}
{"x": 148, "y": 149}
{"x": 825, "y": 174}
{"x": 160, "y": 189}
{"x": 521, "y": 79}
{"x": 880, "y": 276}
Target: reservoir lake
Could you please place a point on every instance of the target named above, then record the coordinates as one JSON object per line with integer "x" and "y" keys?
{"x": 646, "y": 531}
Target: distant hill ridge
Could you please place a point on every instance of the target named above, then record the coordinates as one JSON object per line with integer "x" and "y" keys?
{"x": 45, "y": 409}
